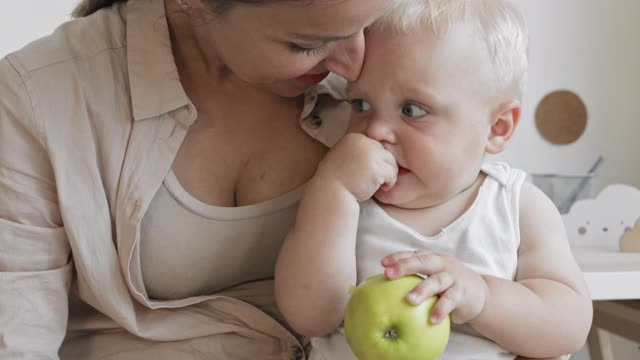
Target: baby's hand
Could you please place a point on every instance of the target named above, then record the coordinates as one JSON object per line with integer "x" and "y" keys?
{"x": 359, "y": 164}
{"x": 462, "y": 291}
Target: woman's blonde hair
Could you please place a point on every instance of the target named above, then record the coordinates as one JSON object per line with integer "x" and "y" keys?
{"x": 498, "y": 24}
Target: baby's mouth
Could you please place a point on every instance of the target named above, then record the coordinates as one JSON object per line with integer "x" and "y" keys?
{"x": 403, "y": 171}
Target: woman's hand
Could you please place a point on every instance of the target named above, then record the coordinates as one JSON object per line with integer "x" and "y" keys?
{"x": 360, "y": 165}
{"x": 462, "y": 291}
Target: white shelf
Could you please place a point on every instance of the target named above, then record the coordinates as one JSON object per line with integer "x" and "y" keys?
{"x": 610, "y": 275}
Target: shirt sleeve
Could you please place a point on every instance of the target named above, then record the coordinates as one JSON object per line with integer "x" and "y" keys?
{"x": 325, "y": 115}
{"x": 35, "y": 266}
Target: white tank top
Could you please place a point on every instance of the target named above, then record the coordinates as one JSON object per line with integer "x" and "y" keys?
{"x": 190, "y": 248}
{"x": 486, "y": 238}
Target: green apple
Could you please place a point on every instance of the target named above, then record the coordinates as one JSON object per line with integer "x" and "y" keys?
{"x": 380, "y": 324}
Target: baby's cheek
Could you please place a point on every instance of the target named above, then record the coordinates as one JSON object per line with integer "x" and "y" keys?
{"x": 355, "y": 127}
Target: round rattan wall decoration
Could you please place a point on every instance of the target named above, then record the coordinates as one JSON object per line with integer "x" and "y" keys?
{"x": 561, "y": 117}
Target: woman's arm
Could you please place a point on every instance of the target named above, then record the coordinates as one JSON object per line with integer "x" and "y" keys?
{"x": 547, "y": 312}
{"x": 316, "y": 264}
{"x": 35, "y": 272}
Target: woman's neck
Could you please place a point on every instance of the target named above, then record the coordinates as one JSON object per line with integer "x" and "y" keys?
{"x": 202, "y": 72}
{"x": 195, "y": 53}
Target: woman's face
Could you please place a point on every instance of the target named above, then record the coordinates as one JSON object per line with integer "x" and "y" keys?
{"x": 288, "y": 46}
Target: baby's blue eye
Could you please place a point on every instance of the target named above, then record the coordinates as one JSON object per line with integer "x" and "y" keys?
{"x": 412, "y": 110}
{"x": 360, "y": 105}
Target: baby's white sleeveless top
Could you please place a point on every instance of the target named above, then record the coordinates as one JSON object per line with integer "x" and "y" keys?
{"x": 486, "y": 238}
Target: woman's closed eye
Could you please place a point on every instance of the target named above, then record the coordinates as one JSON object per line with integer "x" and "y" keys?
{"x": 413, "y": 110}
{"x": 359, "y": 105}
{"x": 309, "y": 50}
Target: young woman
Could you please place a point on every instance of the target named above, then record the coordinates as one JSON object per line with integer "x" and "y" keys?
{"x": 152, "y": 156}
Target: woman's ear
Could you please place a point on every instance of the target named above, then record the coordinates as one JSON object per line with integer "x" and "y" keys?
{"x": 504, "y": 121}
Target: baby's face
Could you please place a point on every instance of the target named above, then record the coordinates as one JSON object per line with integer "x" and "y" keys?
{"x": 427, "y": 100}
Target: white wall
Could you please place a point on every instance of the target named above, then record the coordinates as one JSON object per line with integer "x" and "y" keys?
{"x": 22, "y": 21}
{"x": 591, "y": 47}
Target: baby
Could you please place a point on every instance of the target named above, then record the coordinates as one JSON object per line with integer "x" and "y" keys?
{"x": 409, "y": 190}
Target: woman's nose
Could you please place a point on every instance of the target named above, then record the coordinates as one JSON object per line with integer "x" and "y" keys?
{"x": 347, "y": 57}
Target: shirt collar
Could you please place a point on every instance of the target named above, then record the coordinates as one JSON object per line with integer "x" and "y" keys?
{"x": 153, "y": 75}
{"x": 333, "y": 86}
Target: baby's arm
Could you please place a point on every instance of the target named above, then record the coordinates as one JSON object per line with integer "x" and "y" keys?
{"x": 547, "y": 311}
{"x": 316, "y": 264}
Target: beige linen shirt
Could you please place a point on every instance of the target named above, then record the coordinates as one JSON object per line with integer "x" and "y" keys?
{"x": 91, "y": 118}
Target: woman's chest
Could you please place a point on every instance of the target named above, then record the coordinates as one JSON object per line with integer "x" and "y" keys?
{"x": 248, "y": 161}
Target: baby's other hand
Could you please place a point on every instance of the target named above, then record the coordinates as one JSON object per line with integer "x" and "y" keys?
{"x": 462, "y": 291}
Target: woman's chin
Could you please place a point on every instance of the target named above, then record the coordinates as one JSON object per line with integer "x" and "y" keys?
{"x": 286, "y": 88}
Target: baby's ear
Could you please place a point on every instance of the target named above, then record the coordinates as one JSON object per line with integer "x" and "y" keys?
{"x": 504, "y": 121}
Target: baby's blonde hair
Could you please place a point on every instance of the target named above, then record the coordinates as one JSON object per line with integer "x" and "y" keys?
{"x": 498, "y": 23}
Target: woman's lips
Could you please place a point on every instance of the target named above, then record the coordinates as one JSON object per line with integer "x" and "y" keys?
{"x": 312, "y": 79}
{"x": 403, "y": 171}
